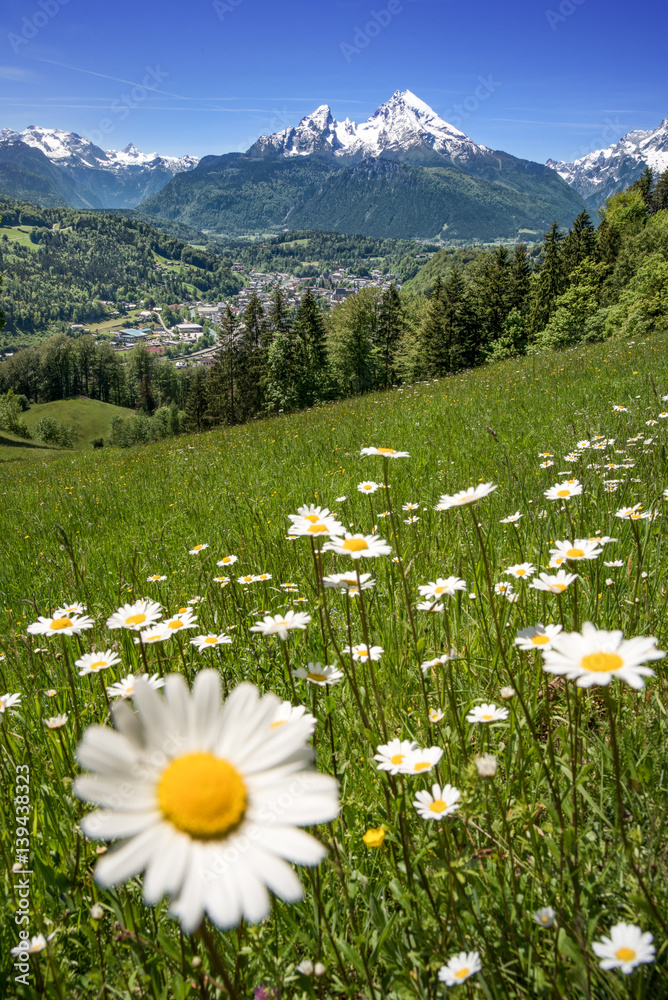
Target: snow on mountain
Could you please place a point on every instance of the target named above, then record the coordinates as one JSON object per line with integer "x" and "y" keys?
{"x": 599, "y": 174}
{"x": 403, "y": 127}
{"x": 67, "y": 149}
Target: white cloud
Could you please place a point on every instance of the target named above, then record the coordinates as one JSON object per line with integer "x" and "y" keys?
{"x": 16, "y": 73}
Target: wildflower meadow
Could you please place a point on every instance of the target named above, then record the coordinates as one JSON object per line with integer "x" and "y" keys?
{"x": 365, "y": 702}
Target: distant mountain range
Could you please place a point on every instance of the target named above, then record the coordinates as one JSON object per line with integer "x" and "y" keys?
{"x": 56, "y": 168}
{"x": 598, "y": 175}
{"x": 403, "y": 173}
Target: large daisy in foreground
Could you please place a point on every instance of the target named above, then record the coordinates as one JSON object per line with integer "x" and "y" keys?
{"x": 211, "y": 798}
{"x": 597, "y": 656}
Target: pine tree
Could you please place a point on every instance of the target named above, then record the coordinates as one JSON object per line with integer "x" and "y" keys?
{"x": 660, "y": 194}
{"x": 310, "y": 349}
{"x": 520, "y": 278}
{"x": 252, "y": 360}
{"x": 550, "y": 280}
{"x": 434, "y": 346}
{"x": 221, "y": 405}
{"x": 279, "y": 319}
{"x": 390, "y": 330}
{"x": 581, "y": 243}
{"x": 197, "y": 401}
{"x": 645, "y": 185}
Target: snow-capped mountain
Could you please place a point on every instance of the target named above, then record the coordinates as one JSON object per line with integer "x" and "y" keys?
{"x": 404, "y": 128}
{"x": 101, "y": 178}
{"x": 598, "y": 175}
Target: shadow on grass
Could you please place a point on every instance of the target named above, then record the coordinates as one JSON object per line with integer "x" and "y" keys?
{"x": 12, "y": 443}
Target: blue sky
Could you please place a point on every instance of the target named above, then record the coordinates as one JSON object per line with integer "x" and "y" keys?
{"x": 210, "y": 76}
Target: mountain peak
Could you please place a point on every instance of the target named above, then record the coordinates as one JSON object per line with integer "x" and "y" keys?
{"x": 597, "y": 175}
{"x": 403, "y": 128}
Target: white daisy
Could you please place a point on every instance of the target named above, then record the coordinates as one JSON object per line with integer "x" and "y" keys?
{"x": 512, "y": 518}
{"x": 448, "y": 585}
{"x": 227, "y": 561}
{"x": 70, "y": 609}
{"x": 362, "y": 652}
{"x": 156, "y": 578}
{"x": 554, "y": 584}
{"x": 208, "y": 641}
{"x": 57, "y": 722}
{"x": 563, "y": 491}
{"x": 486, "y": 765}
{"x": 9, "y": 701}
{"x": 540, "y": 637}
{"x": 626, "y": 948}
{"x": 580, "y": 548}
{"x": 262, "y": 578}
{"x": 197, "y": 549}
{"x": 503, "y": 588}
{"x": 33, "y": 946}
{"x": 314, "y": 526}
{"x": 436, "y": 714}
{"x": 153, "y": 635}
{"x": 391, "y": 756}
{"x": 597, "y": 656}
{"x": 421, "y": 760}
{"x": 210, "y": 810}
{"x": 184, "y": 619}
{"x": 459, "y": 968}
{"x": 341, "y": 499}
{"x": 614, "y": 564}
{"x": 368, "y": 486}
{"x": 247, "y": 579}
{"x": 546, "y": 464}
{"x": 137, "y": 616}
{"x": 222, "y": 580}
{"x": 280, "y": 625}
{"x": 316, "y": 674}
{"x": 125, "y": 688}
{"x": 434, "y": 608}
{"x": 465, "y": 497}
{"x": 358, "y": 546}
{"x": 410, "y": 506}
{"x": 385, "y": 452}
{"x": 545, "y": 916}
{"x": 62, "y": 625}
{"x": 521, "y": 571}
{"x": 438, "y": 661}
{"x": 487, "y": 713}
{"x": 93, "y": 663}
{"x": 347, "y": 582}
{"x": 287, "y": 714}
{"x": 438, "y": 803}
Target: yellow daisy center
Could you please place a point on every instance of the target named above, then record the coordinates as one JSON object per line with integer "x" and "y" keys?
{"x": 317, "y": 677}
{"x": 59, "y": 623}
{"x": 439, "y": 590}
{"x": 211, "y": 640}
{"x": 575, "y": 554}
{"x": 521, "y": 572}
{"x": 625, "y": 954}
{"x": 602, "y": 663}
{"x": 135, "y": 620}
{"x": 540, "y": 640}
{"x": 202, "y": 795}
{"x": 397, "y": 759}
{"x": 463, "y": 973}
{"x": 368, "y": 487}
{"x": 561, "y": 587}
{"x": 175, "y": 624}
{"x": 422, "y": 765}
{"x": 226, "y": 559}
{"x": 437, "y": 806}
{"x": 197, "y": 548}
{"x": 313, "y": 518}
{"x": 563, "y": 493}
{"x": 386, "y": 451}
{"x": 98, "y": 664}
{"x": 354, "y": 545}
{"x": 487, "y": 718}
{"x": 275, "y": 725}
{"x": 317, "y": 529}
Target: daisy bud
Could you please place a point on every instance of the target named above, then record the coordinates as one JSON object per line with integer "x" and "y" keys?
{"x": 306, "y": 967}
{"x": 507, "y": 693}
{"x": 609, "y": 582}
{"x": 486, "y": 765}
{"x": 319, "y": 969}
{"x": 196, "y": 962}
{"x": 96, "y": 912}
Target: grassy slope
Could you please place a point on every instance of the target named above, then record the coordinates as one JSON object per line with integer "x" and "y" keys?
{"x": 127, "y": 514}
{"x": 90, "y": 416}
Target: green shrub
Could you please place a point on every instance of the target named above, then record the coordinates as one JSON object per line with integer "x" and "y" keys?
{"x": 52, "y": 431}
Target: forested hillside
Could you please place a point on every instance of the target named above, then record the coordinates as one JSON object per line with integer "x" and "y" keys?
{"x": 59, "y": 265}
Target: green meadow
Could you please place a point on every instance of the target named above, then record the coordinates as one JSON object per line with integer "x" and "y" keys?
{"x": 561, "y": 795}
